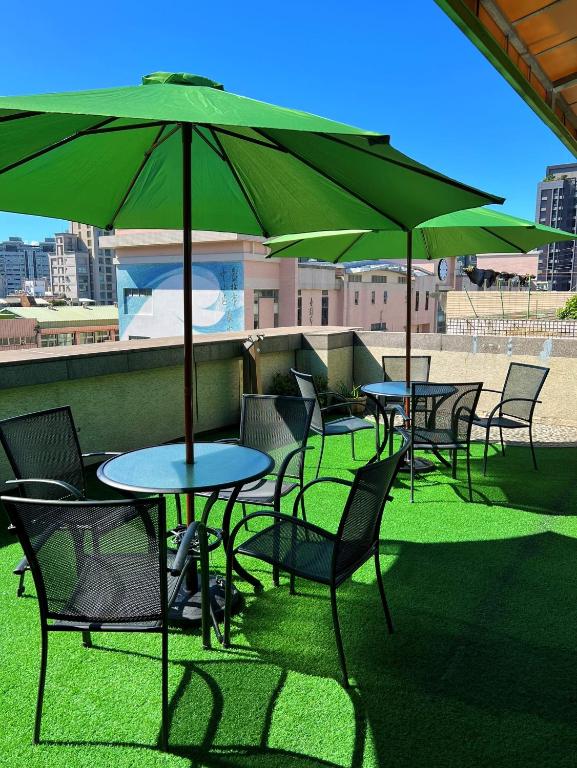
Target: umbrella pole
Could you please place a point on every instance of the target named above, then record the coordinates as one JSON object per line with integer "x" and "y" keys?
{"x": 409, "y": 307}
{"x": 186, "y": 130}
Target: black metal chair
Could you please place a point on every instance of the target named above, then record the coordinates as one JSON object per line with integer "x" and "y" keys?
{"x": 516, "y": 405}
{"x": 45, "y": 456}
{"x": 310, "y": 552}
{"x": 345, "y": 425}
{"x": 101, "y": 566}
{"x": 395, "y": 369}
{"x": 445, "y": 425}
{"x": 278, "y": 425}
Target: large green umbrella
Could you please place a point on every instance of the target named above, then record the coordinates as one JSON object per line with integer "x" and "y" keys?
{"x": 180, "y": 152}
{"x": 478, "y": 230}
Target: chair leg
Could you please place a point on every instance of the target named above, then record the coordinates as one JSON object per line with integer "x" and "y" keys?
{"x": 412, "y": 460}
{"x": 386, "y": 610}
{"x": 338, "y": 636}
{"x": 469, "y": 473}
{"x": 243, "y": 505}
{"x": 486, "y": 451}
{"x": 41, "y": 683}
{"x": 353, "y": 445}
{"x": 227, "y": 599}
{"x": 164, "y": 735}
{"x": 502, "y": 441}
{"x": 292, "y": 589}
{"x": 454, "y": 464}
{"x": 391, "y": 434}
{"x": 86, "y": 639}
{"x": 178, "y": 509}
{"x": 321, "y": 455}
{"x": 20, "y": 590}
{"x": 532, "y": 446}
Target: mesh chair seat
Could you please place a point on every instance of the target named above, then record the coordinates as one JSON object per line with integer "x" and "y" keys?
{"x": 296, "y": 549}
{"x": 346, "y": 425}
{"x": 436, "y": 438}
{"x": 500, "y": 421}
{"x": 259, "y": 492}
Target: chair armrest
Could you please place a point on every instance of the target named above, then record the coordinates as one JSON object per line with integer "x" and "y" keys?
{"x": 496, "y": 391}
{"x": 184, "y": 548}
{"x": 501, "y": 403}
{"x": 335, "y": 406}
{"x": 230, "y": 440}
{"x": 101, "y": 453}
{"x": 283, "y": 468}
{"x": 305, "y": 488}
{"x": 60, "y": 483}
{"x": 275, "y": 516}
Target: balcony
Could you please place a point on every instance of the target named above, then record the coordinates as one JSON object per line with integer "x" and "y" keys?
{"x": 481, "y": 667}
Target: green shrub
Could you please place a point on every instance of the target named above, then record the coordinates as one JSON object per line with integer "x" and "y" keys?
{"x": 285, "y": 384}
{"x": 569, "y": 311}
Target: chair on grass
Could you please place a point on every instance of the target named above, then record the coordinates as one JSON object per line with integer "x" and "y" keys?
{"x": 278, "y": 425}
{"x": 395, "y": 369}
{"x": 445, "y": 425}
{"x": 345, "y": 425}
{"x": 101, "y": 566}
{"x": 516, "y": 405}
{"x": 313, "y": 553}
{"x": 45, "y": 456}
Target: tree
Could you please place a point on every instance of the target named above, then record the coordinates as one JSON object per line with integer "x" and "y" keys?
{"x": 569, "y": 311}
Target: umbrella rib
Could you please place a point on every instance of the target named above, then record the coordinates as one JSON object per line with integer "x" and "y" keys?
{"x": 117, "y": 128}
{"x": 241, "y": 185}
{"x": 250, "y": 139}
{"x": 348, "y": 248}
{"x": 207, "y": 142}
{"x": 503, "y": 239}
{"x": 45, "y": 150}
{"x": 423, "y": 171}
{"x": 20, "y": 116}
{"x": 288, "y": 245}
{"x": 334, "y": 181}
{"x": 139, "y": 170}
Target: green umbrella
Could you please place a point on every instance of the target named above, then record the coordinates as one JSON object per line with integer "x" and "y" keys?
{"x": 478, "y": 230}
{"x": 180, "y": 152}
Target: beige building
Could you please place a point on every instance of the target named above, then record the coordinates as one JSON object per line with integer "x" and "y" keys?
{"x": 44, "y": 326}
{"x": 100, "y": 260}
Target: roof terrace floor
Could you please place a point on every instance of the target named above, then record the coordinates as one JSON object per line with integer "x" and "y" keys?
{"x": 481, "y": 669}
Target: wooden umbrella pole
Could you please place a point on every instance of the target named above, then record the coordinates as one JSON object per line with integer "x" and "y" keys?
{"x": 186, "y": 130}
{"x": 409, "y": 307}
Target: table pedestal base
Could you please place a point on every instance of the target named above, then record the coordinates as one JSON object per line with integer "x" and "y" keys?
{"x": 421, "y": 466}
{"x": 186, "y": 611}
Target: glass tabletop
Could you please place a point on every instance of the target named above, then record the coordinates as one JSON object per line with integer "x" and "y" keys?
{"x": 400, "y": 389}
{"x": 162, "y": 468}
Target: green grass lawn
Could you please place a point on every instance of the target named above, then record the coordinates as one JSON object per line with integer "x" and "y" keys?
{"x": 481, "y": 671}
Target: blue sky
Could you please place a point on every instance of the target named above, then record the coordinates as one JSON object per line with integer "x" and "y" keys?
{"x": 412, "y": 74}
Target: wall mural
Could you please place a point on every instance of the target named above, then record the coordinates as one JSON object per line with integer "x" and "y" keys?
{"x": 150, "y": 299}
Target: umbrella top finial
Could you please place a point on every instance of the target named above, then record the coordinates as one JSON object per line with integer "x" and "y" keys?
{"x": 179, "y": 78}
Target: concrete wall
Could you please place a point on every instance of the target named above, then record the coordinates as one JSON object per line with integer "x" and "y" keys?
{"x": 514, "y": 303}
{"x": 486, "y": 359}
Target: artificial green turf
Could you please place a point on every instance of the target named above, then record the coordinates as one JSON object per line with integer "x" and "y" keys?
{"x": 481, "y": 670}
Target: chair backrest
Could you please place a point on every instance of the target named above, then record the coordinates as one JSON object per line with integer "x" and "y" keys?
{"x": 361, "y": 519}
{"x": 95, "y": 561}
{"x": 394, "y": 367}
{"x": 525, "y": 381}
{"x": 308, "y": 390}
{"x": 44, "y": 445}
{"x": 454, "y": 411}
{"x": 277, "y": 425}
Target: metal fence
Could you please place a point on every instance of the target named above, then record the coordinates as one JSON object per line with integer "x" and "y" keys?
{"x": 481, "y": 326}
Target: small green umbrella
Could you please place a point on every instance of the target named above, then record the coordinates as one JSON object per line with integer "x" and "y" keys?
{"x": 180, "y": 152}
{"x": 478, "y": 230}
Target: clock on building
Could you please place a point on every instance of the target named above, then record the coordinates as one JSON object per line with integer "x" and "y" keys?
{"x": 442, "y": 269}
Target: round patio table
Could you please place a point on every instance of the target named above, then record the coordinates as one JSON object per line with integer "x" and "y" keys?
{"x": 400, "y": 390}
{"x": 162, "y": 469}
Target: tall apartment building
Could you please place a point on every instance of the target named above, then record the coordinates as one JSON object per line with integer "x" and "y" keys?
{"x": 557, "y": 207}
{"x": 70, "y": 268}
{"x": 20, "y": 261}
{"x": 101, "y": 260}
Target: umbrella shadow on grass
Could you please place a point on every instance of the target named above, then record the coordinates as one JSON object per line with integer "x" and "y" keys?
{"x": 484, "y": 641}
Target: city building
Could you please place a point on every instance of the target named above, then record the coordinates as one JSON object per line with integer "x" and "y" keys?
{"x": 20, "y": 261}
{"x": 511, "y": 263}
{"x": 557, "y": 207}
{"x": 236, "y": 287}
{"x": 101, "y": 262}
{"x": 25, "y": 327}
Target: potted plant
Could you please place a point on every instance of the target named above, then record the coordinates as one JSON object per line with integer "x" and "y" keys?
{"x": 356, "y": 400}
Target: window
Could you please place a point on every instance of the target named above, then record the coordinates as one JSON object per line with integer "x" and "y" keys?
{"x": 378, "y": 326}
{"x": 385, "y": 297}
{"x": 356, "y": 298}
{"x": 402, "y": 280}
{"x": 427, "y": 299}
{"x": 325, "y": 308}
{"x": 372, "y": 297}
{"x": 416, "y": 301}
{"x": 135, "y": 299}
{"x": 355, "y": 278}
{"x": 299, "y": 308}
{"x": 378, "y": 279}
{"x": 265, "y": 293}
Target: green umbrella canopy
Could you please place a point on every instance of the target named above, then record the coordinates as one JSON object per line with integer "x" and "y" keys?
{"x": 478, "y": 230}
{"x": 113, "y": 157}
